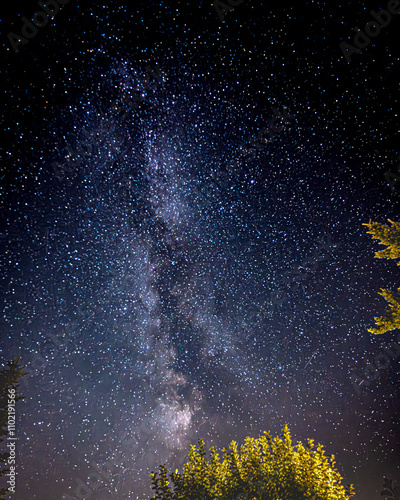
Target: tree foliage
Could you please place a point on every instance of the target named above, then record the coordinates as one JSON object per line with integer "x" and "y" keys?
{"x": 390, "y": 237}
{"x": 8, "y": 380}
{"x": 265, "y": 469}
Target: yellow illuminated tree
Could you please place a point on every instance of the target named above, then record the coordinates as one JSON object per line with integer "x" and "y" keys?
{"x": 390, "y": 237}
{"x": 265, "y": 469}
{"x": 8, "y": 381}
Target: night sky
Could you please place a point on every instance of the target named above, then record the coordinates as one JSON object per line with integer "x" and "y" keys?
{"x": 182, "y": 252}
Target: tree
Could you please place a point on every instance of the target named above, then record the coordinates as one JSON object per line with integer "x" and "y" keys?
{"x": 265, "y": 468}
{"x": 389, "y": 492}
{"x": 389, "y": 236}
{"x": 8, "y": 392}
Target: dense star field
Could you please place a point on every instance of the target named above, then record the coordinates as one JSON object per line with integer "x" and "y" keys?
{"x": 182, "y": 250}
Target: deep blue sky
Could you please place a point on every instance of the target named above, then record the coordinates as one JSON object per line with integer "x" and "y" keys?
{"x": 163, "y": 279}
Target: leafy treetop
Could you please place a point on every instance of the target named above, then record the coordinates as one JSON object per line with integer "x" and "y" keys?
{"x": 389, "y": 236}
